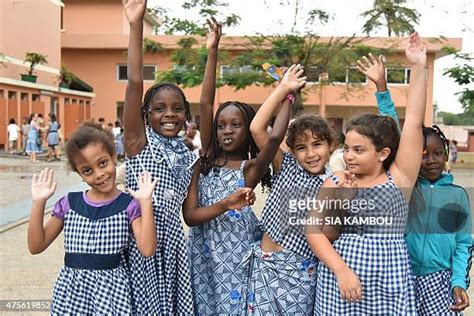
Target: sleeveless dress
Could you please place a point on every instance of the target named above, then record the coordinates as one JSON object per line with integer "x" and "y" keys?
{"x": 216, "y": 248}
{"x": 32, "y": 145}
{"x": 94, "y": 279}
{"x": 284, "y": 282}
{"x": 53, "y": 138}
{"x": 161, "y": 284}
{"x": 378, "y": 255}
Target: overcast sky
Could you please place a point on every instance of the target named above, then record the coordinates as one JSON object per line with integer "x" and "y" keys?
{"x": 438, "y": 17}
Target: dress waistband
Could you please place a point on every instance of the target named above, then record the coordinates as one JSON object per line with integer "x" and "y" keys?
{"x": 90, "y": 261}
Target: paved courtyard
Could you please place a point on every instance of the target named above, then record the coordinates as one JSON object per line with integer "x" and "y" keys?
{"x": 27, "y": 277}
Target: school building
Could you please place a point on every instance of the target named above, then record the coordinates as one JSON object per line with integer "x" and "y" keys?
{"x": 90, "y": 38}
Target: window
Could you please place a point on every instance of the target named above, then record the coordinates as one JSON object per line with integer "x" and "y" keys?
{"x": 228, "y": 70}
{"x": 35, "y": 97}
{"x": 338, "y": 76}
{"x": 12, "y": 95}
{"x": 312, "y": 73}
{"x": 398, "y": 75}
{"x": 354, "y": 76}
{"x": 148, "y": 72}
{"x": 66, "y": 101}
{"x": 24, "y": 96}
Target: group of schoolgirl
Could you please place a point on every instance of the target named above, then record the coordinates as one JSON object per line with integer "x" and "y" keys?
{"x": 127, "y": 253}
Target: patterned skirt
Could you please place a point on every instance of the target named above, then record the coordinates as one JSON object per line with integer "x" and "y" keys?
{"x": 433, "y": 294}
{"x": 279, "y": 283}
{"x": 384, "y": 270}
{"x": 98, "y": 292}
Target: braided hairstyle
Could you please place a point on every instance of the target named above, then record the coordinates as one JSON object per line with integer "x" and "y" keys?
{"x": 214, "y": 152}
{"x": 434, "y": 130}
{"x": 381, "y": 130}
{"x": 150, "y": 93}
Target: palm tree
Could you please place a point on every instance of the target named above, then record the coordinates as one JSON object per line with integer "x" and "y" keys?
{"x": 398, "y": 19}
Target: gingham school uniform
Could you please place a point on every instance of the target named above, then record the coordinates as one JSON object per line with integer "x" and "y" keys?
{"x": 161, "y": 284}
{"x": 284, "y": 282}
{"x": 377, "y": 254}
{"x": 94, "y": 279}
{"x": 217, "y": 247}
{"x": 433, "y": 294}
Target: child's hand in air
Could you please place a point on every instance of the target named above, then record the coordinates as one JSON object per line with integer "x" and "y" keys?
{"x": 416, "y": 52}
{"x": 42, "y": 186}
{"x": 213, "y": 33}
{"x": 373, "y": 68}
{"x": 240, "y": 198}
{"x": 461, "y": 299}
{"x": 348, "y": 186}
{"x": 292, "y": 80}
{"x": 145, "y": 188}
{"x": 349, "y": 285}
{"x": 134, "y": 10}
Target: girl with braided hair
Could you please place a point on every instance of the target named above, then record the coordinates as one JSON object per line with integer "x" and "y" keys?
{"x": 223, "y": 226}
{"x": 439, "y": 233}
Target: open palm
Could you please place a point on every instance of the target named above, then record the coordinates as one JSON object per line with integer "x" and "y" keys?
{"x": 372, "y": 67}
{"x": 416, "y": 52}
{"x": 145, "y": 187}
{"x": 43, "y": 187}
{"x": 213, "y": 33}
{"x": 134, "y": 9}
{"x": 293, "y": 78}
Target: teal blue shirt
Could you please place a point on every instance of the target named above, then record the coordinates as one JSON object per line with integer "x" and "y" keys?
{"x": 386, "y": 106}
{"x": 439, "y": 230}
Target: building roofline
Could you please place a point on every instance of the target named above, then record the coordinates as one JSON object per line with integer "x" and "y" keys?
{"x": 240, "y": 43}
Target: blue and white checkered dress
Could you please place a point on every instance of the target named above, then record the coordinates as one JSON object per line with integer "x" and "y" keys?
{"x": 90, "y": 231}
{"x": 434, "y": 295}
{"x": 377, "y": 254}
{"x": 284, "y": 282}
{"x": 161, "y": 284}
{"x": 217, "y": 247}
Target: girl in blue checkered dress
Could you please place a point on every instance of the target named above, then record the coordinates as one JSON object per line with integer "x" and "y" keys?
{"x": 281, "y": 269}
{"x": 97, "y": 225}
{"x": 160, "y": 284}
{"x": 367, "y": 270}
{"x": 220, "y": 235}
{"x": 439, "y": 233}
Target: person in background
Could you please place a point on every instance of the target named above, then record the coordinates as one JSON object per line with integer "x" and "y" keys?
{"x": 13, "y": 131}
{"x": 25, "y": 129}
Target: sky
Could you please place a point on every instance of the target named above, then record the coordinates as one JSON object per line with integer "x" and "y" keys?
{"x": 438, "y": 18}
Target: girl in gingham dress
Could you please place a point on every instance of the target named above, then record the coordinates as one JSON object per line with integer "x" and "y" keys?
{"x": 96, "y": 225}
{"x": 160, "y": 284}
{"x": 281, "y": 269}
{"x": 439, "y": 233}
{"x": 367, "y": 269}
{"x": 221, "y": 235}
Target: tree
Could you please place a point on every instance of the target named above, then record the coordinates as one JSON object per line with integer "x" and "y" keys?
{"x": 398, "y": 20}
{"x": 325, "y": 61}
{"x": 463, "y": 75}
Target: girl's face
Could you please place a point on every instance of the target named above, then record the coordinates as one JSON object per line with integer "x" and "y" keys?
{"x": 167, "y": 113}
{"x": 97, "y": 168}
{"x": 311, "y": 152}
{"x": 231, "y": 129}
{"x": 360, "y": 154}
{"x": 434, "y": 158}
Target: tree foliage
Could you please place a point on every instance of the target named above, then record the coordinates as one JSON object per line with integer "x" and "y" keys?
{"x": 463, "y": 75}
{"x": 457, "y": 119}
{"x": 398, "y": 19}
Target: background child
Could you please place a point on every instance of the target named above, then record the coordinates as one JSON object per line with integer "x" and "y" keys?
{"x": 52, "y": 138}
{"x": 96, "y": 227}
{"x": 283, "y": 259}
{"x": 439, "y": 233}
{"x": 230, "y": 161}
{"x": 13, "y": 132}
{"x": 367, "y": 270}
{"x": 161, "y": 284}
{"x": 33, "y": 145}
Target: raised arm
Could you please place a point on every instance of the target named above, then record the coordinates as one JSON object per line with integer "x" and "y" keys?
{"x": 206, "y": 103}
{"x": 134, "y": 128}
{"x": 194, "y": 215}
{"x": 41, "y": 236}
{"x": 374, "y": 69}
{"x": 408, "y": 159}
{"x": 291, "y": 81}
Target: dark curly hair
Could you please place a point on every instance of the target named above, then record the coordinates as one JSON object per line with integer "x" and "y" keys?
{"x": 381, "y": 130}
{"x": 88, "y": 133}
{"x": 435, "y": 131}
{"x": 214, "y": 152}
{"x": 150, "y": 93}
{"x": 310, "y": 122}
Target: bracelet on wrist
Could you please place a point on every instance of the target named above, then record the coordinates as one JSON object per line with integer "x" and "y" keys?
{"x": 291, "y": 98}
